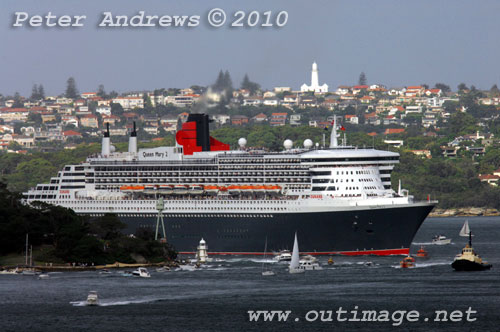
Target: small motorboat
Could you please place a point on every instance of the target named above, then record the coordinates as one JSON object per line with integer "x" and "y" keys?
{"x": 407, "y": 262}
{"x": 440, "y": 240}
{"x": 43, "y": 276}
{"x": 126, "y": 274}
{"x": 421, "y": 253}
{"x": 368, "y": 263}
{"x": 163, "y": 269}
{"x": 92, "y": 298}
{"x": 330, "y": 261}
{"x": 141, "y": 272}
{"x": 283, "y": 256}
{"x": 309, "y": 265}
{"x": 104, "y": 271}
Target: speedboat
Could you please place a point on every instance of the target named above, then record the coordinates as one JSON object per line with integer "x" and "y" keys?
{"x": 141, "y": 272}
{"x": 104, "y": 271}
{"x": 163, "y": 269}
{"x": 440, "y": 240}
{"x": 43, "y": 276}
{"x": 283, "y": 256}
{"x": 92, "y": 298}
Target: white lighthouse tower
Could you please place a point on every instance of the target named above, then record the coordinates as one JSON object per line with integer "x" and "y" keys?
{"x": 314, "y": 87}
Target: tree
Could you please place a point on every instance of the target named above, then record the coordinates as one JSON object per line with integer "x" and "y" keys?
{"x": 71, "y": 90}
{"x": 249, "y": 85}
{"x": 445, "y": 88}
{"x": 494, "y": 91}
{"x": 228, "y": 82}
{"x": 425, "y": 86}
{"x": 41, "y": 92}
{"x": 218, "y": 86}
{"x": 34, "y": 92}
{"x": 462, "y": 87}
{"x": 100, "y": 91}
{"x": 18, "y": 101}
{"x": 362, "y": 79}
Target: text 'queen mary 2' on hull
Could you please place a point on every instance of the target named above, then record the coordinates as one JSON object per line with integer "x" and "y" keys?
{"x": 338, "y": 199}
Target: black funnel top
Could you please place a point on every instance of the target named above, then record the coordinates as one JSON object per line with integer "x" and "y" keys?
{"x": 202, "y": 130}
{"x": 134, "y": 132}
{"x": 106, "y": 133}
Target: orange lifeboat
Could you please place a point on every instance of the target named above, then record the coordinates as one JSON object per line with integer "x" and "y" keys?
{"x": 165, "y": 189}
{"x": 180, "y": 189}
{"x": 195, "y": 189}
{"x": 407, "y": 262}
{"x": 422, "y": 253}
{"x": 273, "y": 189}
{"x": 150, "y": 189}
{"x": 234, "y": 190}
{"x": 211, "y": 190}
{"x": 247, "y": 189}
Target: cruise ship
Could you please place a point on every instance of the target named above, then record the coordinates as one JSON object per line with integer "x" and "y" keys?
{"x": 338, "y": 198}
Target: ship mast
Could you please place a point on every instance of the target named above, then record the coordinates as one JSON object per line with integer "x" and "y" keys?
{"x": 334, "y": 136}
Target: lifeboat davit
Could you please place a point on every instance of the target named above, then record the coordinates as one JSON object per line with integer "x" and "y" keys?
{"x": 195, "y": 189}
{"x": 165, "y": 189}
{"x": 234, "y": 190}
{"x": 180, "y": 189}
{"x": 211, "y": 190}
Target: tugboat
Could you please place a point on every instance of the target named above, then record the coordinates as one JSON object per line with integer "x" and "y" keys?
{"x": 469, "y": 260}
{"x": 421, "y": 253}
{"x": 407, "y": 262}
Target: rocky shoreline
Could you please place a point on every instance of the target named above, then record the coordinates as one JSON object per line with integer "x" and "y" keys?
{"x": 464, "y": 212}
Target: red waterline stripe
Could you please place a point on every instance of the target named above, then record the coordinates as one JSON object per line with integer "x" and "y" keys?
{"x": 381, "y": 252}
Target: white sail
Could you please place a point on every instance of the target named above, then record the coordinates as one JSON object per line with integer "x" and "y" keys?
{"x": 465, "y": 230}
{"x": 294, "y": 263}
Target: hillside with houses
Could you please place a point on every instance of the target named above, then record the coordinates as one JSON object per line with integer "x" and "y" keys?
{"x": 427, "y": 122}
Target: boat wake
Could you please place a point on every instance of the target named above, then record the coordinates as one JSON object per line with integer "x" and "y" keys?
{"x": 107, "y": 303}
{"x": 423, "y": 265}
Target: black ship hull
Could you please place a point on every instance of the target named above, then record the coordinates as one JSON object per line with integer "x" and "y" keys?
{"x": 372, "y": 231}
{"x": 466, "y": 265}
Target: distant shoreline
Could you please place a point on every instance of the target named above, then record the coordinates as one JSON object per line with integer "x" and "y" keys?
{"x": 464, "y": 212}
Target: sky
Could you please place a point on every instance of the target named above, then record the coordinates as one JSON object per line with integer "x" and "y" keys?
{"x": 394, "y": 42}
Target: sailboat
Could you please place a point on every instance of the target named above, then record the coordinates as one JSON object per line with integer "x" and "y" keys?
{"x": 266, "y": 272}
{"x": 465, "y": 231}
{"x": 295, "y": 262}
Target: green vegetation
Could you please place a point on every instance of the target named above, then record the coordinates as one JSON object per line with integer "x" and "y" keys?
{"x": 67, "y": 237}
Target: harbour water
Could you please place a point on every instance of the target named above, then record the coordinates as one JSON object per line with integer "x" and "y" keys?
{"x": 218, "y": 296}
